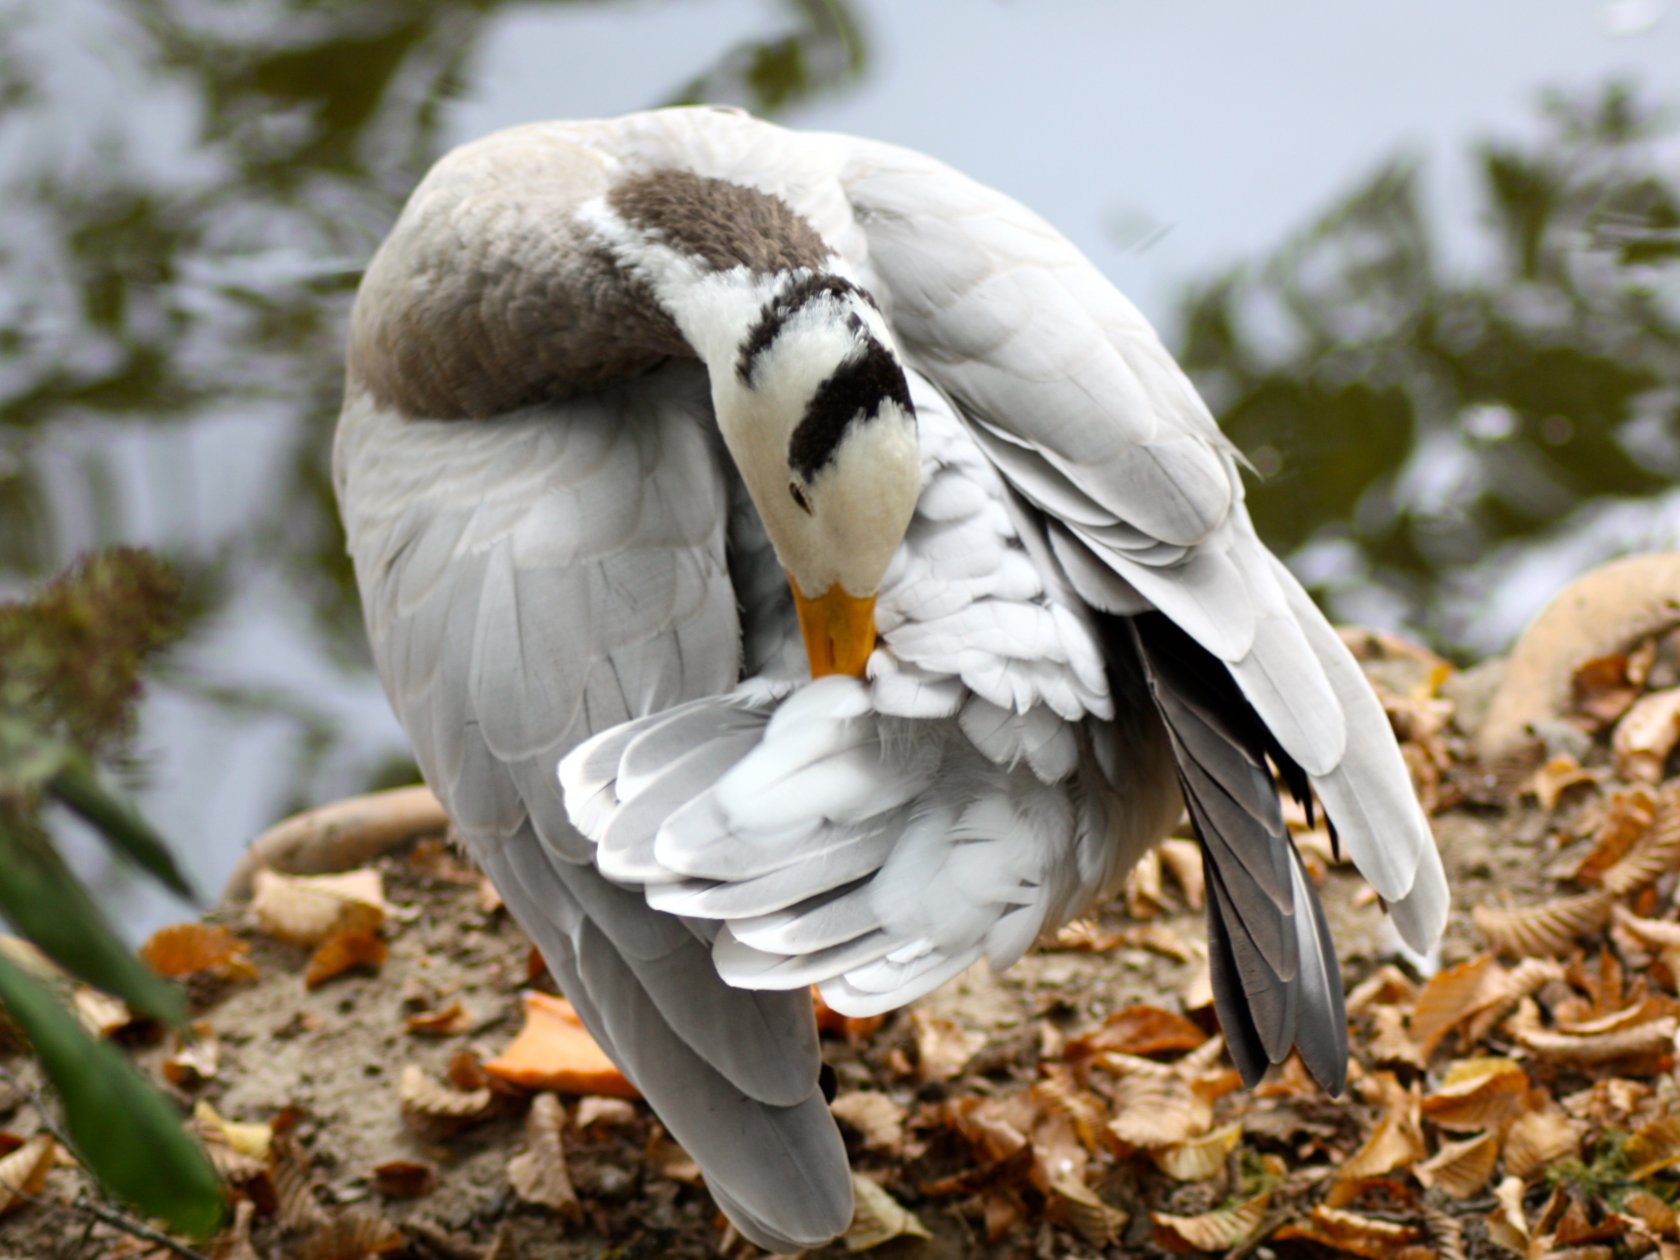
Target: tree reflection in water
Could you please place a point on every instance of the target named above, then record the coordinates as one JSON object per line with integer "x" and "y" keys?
{"x": 1426, "y": 432}
{"x": 192, "y": 186}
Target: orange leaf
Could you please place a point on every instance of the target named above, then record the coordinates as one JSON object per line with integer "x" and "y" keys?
{"x": 554, "y": 1051}
{"x": 853, "y": 1028}
{"x": 1451, "y": 996}
{"x": 1139, "y": 1030}
{"x": 185, "y": 949}
{"x": 440, "y": 1023}
{"x": 357, "y": 947}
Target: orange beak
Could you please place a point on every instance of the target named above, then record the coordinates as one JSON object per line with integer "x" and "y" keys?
{"x": 839, "y": 630}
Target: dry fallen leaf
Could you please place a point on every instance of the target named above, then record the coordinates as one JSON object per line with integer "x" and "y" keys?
{"x": 1652, "y": 1036}
{"x": 1460, "y": 1169}
{"x": 437, "y": 859}
{"x": 294, "y": 1188}
{"x": 1085, "y": 937}
{"x": 1477, "y": 1094}
{"x": 1386, "y": 986}
{"x": 595, "y": 1111}
{"x": 1654, "y": 854}
{"x": 1351, "y": 1233}
{"x": 1604, "y": 686}
{"x": 435, "y": 1111}
{"x": 1537, "y": 1139}
{"x": 1137, "y": 1030}
{"x": 1184, "y": 859}
{"x": 446, "y": 1022}
{"x": 254, "y": 1140}
{"x": 307, "y": 909}
{"x": 1071, "y": 1203}
{"x": 1452, "y": 996}
{"x": 1144, "y": 897}
{"x": 185, "y": 949}
{"x": 1550, "y": 929}
{"x": 1396, "y": 1141}
{"x": 1653, "y": 1147}
{"x": 1646, "y": 735}
{"x": 943, "y": 1048}
{"x": 404, "y": 1178}
{"x": 538, "y": 1175}
{"x": 100, "y": 1013}
{"x": 1553, "y": 779}
{"x": 23, "y": 1173}
{"x": 876, "y": 1119}
{"x": 878, "y": 1218}
{"x": 1657, "y": 1215}
{"x": 666, "y": 1159}
{"x": 195, "y": 1058}
{"x": 1506, "y": 1224}
{"x": 353, "y": 947}
{"x": 554, "y": 1051}
{"x": 351, "y": 1234}
{"x": 1219, "y": 1230}
{"x": 1154, "y": 1105}
{"x": 1623, "y": 817}
{"x": 1199, "y": 1158}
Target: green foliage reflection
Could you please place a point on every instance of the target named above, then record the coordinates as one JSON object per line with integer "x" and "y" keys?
{"x": 1428, "y": 414}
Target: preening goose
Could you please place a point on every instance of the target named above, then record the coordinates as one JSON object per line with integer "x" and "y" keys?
{"x": 652, "y": 425}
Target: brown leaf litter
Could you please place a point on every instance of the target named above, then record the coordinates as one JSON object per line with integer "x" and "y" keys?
{"x": 432, "y": 1101}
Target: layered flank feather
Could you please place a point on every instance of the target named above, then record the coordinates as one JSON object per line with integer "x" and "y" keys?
{"x": 818, "y": 847}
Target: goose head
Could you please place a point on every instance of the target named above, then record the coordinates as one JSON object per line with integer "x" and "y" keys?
{"x": 817, "y": 416}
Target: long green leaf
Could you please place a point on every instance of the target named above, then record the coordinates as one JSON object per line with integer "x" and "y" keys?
{"x": 77, "y": 786}
{"x": 126, "y": 1132}
{"x": 48, "y": 905}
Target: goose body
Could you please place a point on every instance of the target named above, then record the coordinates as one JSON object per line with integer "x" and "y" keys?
{"x": 649, "y": 420}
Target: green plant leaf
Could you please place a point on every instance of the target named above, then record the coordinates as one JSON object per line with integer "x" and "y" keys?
{"x": 77, "y": 786}
{"x": 47, "y": 904}
{"x": 127, "y": 1134}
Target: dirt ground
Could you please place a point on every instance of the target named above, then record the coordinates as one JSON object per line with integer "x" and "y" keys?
{"x": 973, "y": 1096}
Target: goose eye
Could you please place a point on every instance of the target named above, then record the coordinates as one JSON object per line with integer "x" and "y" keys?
{"x": 799, "y": 497}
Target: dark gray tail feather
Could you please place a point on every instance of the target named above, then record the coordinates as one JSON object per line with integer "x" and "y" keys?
{"x": 1276, "y": 983}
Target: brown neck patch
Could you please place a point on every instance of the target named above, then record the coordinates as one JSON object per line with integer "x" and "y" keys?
{"x": 724, "y": 224}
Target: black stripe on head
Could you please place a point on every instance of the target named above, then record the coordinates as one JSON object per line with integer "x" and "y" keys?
{"x": 855, "y": 392}
{"x": 783, "y": 307}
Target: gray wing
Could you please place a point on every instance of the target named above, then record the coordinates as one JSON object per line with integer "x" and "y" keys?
{"x": 1085, "y": 413}
{"x": 531, "y": 580}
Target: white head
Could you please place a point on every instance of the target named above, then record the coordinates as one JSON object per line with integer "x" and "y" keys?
{"x": 818, "y": 418}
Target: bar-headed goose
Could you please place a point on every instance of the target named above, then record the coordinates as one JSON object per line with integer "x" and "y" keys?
{"x": 651, "y": 420}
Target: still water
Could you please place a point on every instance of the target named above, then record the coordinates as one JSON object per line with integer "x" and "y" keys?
{"x": 1441, "y": 315}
